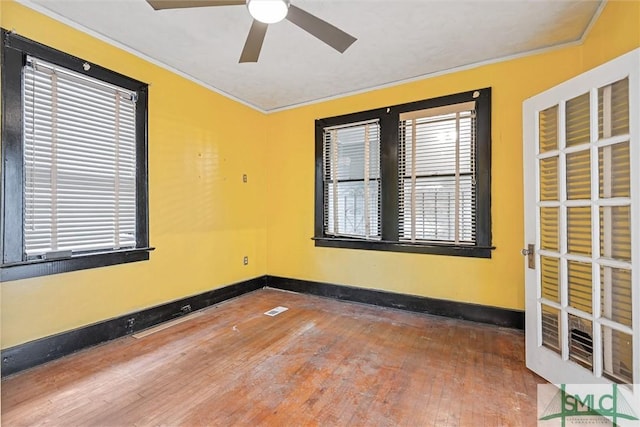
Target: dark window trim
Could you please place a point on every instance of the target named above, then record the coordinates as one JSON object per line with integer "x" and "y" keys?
{"x": 15, "y": 49}
{"x": 39, "y": 268}
{"x": 389, "y": 207}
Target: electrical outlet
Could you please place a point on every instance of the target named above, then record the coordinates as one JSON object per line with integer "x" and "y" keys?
{"x": 186, "y": 309}
{"x": 245, "y": 260}
{"x": 130, "y": 322}
{"x": 244, "y": 178}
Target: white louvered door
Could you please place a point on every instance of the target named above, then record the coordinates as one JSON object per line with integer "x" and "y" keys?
{"x": 582, "y": 190}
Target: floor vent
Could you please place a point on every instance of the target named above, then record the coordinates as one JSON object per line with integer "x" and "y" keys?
{"x": 276, "y": 311}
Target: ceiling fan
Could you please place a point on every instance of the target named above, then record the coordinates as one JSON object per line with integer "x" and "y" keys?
{"x": 265, "y": 12}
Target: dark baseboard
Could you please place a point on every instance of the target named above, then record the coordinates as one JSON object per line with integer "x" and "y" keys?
{"x": 33, "y": 353}
{"x": 458, "y": 310}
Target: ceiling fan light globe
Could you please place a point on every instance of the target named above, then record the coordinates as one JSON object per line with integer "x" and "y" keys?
{"x": 268, "y": 11}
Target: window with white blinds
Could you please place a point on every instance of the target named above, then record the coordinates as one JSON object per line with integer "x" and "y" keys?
{"x": 352, "y": 180}
{"x": 74, "y": 157}
{"x": 79, "y": 162}
{"x": 437, "y": 174}
{"x": 413, "y": 177}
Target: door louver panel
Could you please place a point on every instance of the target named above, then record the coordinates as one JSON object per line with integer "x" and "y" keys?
{"x": 578, "y": 121}
{"x": 614, "y": 170}
{"x": 579, "y": 175}
{"x": 548, "y": 128}
{"x": 617, "y": 118}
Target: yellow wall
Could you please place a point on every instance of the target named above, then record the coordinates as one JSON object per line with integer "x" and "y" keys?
{"x": 498, "y": 281}
{"x": 203, "y": 219}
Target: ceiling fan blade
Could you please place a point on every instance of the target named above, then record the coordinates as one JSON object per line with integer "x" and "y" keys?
{"x": 253, "y": 45}
{"x": 333, "y": 36}
{"x": 179, "y": 4}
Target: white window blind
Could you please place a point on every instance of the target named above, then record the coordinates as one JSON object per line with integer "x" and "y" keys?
{"x": 352, "y": 180}
{"x": 80, "y": 162}
{"x": 437, "y": 194}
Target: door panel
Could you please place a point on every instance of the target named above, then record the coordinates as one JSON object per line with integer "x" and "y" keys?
{"x": 582, "y": 191}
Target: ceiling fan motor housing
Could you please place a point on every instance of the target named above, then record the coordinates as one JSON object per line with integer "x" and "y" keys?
{"x": 268, "y": 11}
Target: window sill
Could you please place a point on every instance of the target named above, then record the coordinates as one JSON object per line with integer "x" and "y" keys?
{"x": 417, "y": 248}
{"x": 37, "y": 268}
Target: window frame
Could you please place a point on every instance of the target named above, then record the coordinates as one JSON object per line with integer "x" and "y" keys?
{"x": 389, "y": 118}
{"x": 13, "y": 264}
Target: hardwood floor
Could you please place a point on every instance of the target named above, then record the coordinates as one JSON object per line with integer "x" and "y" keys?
{"x": 322, "y": 362}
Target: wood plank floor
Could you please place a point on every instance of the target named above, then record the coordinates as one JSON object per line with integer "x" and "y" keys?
{"x": 322, "y": 362}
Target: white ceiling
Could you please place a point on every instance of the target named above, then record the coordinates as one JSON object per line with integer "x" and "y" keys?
{"x": 398, "y": 40}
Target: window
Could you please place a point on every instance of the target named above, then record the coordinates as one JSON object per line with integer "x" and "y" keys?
{"x": 437, "y": 184}
{"x": 352, "y": 180}
{"x": 409, "y": 178}
{"x": 74, "y": 145}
